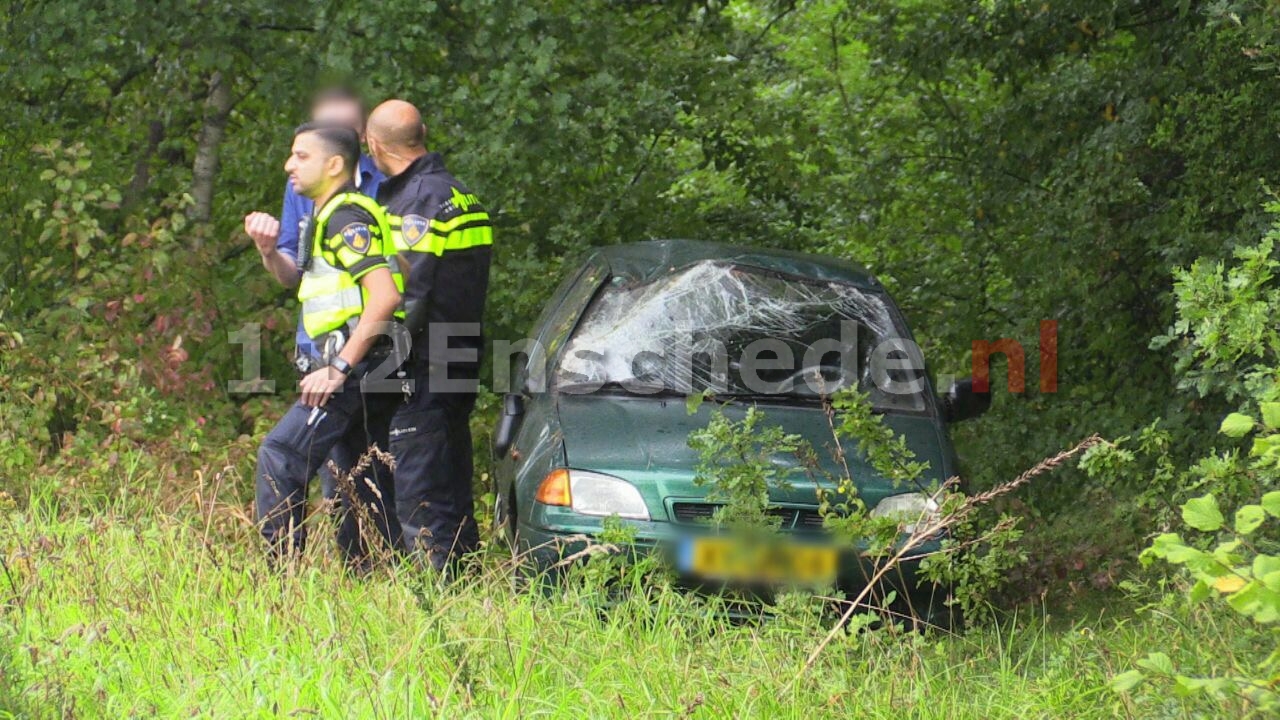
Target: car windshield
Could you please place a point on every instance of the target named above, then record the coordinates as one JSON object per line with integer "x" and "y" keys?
{"x": 741, "y": 331}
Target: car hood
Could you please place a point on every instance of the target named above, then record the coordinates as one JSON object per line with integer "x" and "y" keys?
{"x": 645, "y": 440}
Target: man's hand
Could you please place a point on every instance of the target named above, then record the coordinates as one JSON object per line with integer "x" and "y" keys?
{"x": 264, "y": 229}
{"x": 320, "y": 384}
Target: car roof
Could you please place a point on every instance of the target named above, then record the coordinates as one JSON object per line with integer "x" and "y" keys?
{"x": 651, "y": 259}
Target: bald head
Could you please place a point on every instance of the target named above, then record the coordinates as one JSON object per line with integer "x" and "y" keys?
{"x": 397, "y": 125}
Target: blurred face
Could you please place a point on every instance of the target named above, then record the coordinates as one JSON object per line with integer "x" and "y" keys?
{"x": 340, "y": 112}
{"x": 312, "y": 166}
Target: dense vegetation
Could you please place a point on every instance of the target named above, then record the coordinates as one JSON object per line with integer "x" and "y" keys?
{"x": 1103, "y": 163}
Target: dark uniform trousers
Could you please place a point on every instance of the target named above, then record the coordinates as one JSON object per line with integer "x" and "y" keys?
{"x": 431, "y": 443}
{"x": 340, "y": 457}
{"x": 294, "y": 451}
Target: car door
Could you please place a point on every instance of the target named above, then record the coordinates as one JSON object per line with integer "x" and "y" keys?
{"x": 536, "y": 445}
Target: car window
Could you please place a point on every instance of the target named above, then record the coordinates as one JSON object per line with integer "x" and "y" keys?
{"x": 743, "y": 331}
{"x": 559, "y": 319}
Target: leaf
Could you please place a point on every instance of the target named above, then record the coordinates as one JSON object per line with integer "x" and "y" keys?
{"x": 1266, "y": 570}
{"x": 693, "y": 402}
{"x": 1157, "y": 662}
{"x": 1248, "y": 518}
{"x": 1202, "y": 513}
{"x": 1269, "y": 610}
{"x": 1228, "y": 584}
{"x": 1187, "y": 685}
{"x": 1126, "y": 681}
{"x": 1199, "y": 592}
{"x": 1271, "y": 503}
{"x": 1236, "y": 425}
{"x": 1248, "y": 600}
{"x": 1224, "y": 550}
{"x": 1171, "y": 547}
{"x": 1265, "y": 445}
{"x": 1271, "y": 415}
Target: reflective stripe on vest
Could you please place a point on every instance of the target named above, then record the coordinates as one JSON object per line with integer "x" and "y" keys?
{"x": 380, "y": 216}
{"x": 460, "y": 233}
{"x": 333, "y": 302}
{"x": 330, "y": 296}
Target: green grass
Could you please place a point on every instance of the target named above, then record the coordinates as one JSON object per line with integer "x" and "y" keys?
{"x": 133, "y": 611}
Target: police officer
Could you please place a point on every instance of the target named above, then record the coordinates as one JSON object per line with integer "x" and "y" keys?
{"x": 349, "y": 297}
{"x": 277, "y": 240}
{"x": 444, "y": 233}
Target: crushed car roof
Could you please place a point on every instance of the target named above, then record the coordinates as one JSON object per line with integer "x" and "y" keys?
{"x": 651, "y": 259}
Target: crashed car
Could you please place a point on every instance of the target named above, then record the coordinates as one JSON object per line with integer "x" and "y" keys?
{"x": 597, "y": 424}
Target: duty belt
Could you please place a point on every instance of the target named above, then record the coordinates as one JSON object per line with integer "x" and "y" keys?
{"x": 328, "y": 345}
{"x": 331, "y": 344}
{"x": 306, "y": 363}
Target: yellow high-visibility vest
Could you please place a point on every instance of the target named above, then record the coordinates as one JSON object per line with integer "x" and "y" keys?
{"x": 331, "y": 297}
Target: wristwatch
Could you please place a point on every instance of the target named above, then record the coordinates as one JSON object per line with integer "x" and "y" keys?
{"x": 340, "y": 365}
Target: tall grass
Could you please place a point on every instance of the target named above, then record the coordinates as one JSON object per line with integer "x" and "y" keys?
{"x": 161, "y": 605}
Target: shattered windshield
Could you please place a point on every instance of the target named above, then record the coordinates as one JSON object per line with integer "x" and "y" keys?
{"x": 741, "y": 331}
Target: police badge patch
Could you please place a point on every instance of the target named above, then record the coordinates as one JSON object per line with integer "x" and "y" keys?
{"x": 356, "y": 236}
{"x": 414, "y": 228}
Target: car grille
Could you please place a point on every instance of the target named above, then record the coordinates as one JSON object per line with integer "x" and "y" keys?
{"x": 792, "y": 518}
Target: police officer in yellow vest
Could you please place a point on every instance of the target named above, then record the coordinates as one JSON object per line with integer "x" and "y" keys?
{"x": 444, "y": 233}
{"x": 350, "y": 301}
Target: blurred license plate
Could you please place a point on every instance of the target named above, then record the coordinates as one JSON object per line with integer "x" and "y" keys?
{"x": 735, "y": 559}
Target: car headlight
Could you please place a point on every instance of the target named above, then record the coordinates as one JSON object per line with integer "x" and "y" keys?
{"x": 908, "y": 509}
{"x": 592, "y": 493}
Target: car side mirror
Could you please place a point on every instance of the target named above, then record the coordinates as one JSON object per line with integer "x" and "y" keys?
{"x": 509, "y": 423}
{"x": 962, "y": 402}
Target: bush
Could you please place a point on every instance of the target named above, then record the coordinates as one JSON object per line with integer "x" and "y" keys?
{"x": 1227, "y": 346}
{"x": 98, "y": 353}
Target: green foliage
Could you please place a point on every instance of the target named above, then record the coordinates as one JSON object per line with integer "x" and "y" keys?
{"x": 1223, "y": 337}
{"x": 737, "y": 461}
{"x": 975, "y": 563}
{"x": 883, "y": 449}
{"x": 1236, "y": 425}
{"x": 742, "y": 460}
{"x": 169, "y": 611}
{"x": 845, "y": 514}
{"x": 1243, "y": 570}
{"x": 978, "y": 551}
{"x": 1225, "y": 352}
{"x": 613, "y": 571}
{"x": 102, "y": 370}
{"x": 995, "y": 163}
{"x": 1224, "y": 348}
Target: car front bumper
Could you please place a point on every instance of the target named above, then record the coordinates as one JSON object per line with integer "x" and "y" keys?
{"x": 560, "y": 537}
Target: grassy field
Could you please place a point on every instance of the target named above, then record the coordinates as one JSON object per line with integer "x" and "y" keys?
{"x": 158, "y": 606}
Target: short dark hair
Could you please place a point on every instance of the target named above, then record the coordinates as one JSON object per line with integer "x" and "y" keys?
{"x": 338, "y": 139}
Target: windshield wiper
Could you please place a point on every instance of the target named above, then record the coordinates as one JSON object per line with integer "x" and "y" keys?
{"x": 780, "y": 398}
{"x": 631, "y": 387}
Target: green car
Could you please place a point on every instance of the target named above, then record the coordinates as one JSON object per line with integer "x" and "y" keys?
{"x": 598, "y": 425}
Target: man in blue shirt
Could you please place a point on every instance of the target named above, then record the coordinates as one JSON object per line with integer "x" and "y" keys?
{"x": 277, "y": 240}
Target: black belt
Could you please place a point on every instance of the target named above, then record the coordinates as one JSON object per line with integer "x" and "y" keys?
{"x": 306, "y": 364}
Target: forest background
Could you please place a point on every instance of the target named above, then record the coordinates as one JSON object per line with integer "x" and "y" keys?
{"x": 1105, "y": 164}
